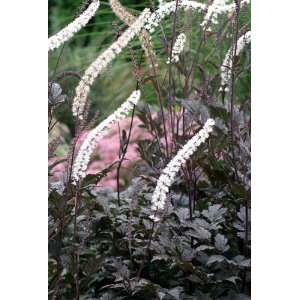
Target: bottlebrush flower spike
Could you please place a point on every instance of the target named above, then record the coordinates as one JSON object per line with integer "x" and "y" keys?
{"x": 65, "y": 34}
{"x": 212, "y": 11}
{"x": 168, "y": 174}
{"x": 90, "y": 143}
{"x": 161, "y": 2}
{"x": 83, "y": 88}
{"x": 226, "y": 67}
{"x": 166, "y": 9}
{"x": 217, "y": 8}
{"x": 177, "y": 48}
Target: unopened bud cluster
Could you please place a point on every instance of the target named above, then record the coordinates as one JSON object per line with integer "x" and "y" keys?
{"x": 121, "y": 12}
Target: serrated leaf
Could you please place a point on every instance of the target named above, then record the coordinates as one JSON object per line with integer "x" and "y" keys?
{"x": 199, "y": 232}
{"x": 194, "y": 278}
{"x": 176, "y": 292}
{"x": 215, "y": 214}
{"x": 240, "y": 224}
{"x": 221, "y": 243}
{"x": 160, "y": 257}
{"x": 242, "y": 261}
{"x": 233, "y": 279}
{"x": 182, "y": 214}
{"x": 54, "y": 94}
{"x": 204, "y": 247}
{"x": 215, "y": 259}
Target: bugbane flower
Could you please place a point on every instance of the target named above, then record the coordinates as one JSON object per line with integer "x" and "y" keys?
{"x": 177, "y": 48}
{"x": 168, "y": 174}
{"x": 166, "y": 9}
{"x": 226, "y": 68}
{"x": 65, "y": 34}
{"x": 212, "y": 11}
{"x": 90, "y": 143}
{"x": 217, "y": 8}
{"x": 101, "y": 63}
{"x": 161, "y": 2}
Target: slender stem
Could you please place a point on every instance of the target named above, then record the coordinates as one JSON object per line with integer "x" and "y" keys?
{"x": 237, "y": 3}
{"x": 57, "y": 62}
{"x": 232, "y": 94}
{"x": 124, "y": 151}
{"x": 76, "y": 247}
{"x": 158, "y": 92}
{"x": 50, "y": 115}
{"x": 147, "y": 250}
{"x": 170, "y": 97}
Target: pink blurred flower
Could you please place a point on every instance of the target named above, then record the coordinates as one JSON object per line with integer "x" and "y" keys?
{"x": 108, "y": 152}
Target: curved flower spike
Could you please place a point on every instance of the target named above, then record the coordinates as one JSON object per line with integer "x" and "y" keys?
{"x": 177, "y": 48}
{"x": 168, "y": 174}
{"x": 226, "y": 68}
{"x": 93, "y": 71}
{"x": 68, "y": 32}
{"x": 90, "y": 143}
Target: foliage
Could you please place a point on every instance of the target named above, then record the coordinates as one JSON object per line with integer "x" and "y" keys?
{"x": 102, "y": 243}
{"x": 203, "y": 258}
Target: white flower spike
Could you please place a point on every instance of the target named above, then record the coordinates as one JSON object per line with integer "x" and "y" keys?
{"x": 217, "y": 8}
{"x": 226, "y": 67}
{"x": 68, "y": 32}
{"x": 90, "y": 143}
{"x": 83, "y": 88}
{"x": 212, "y": 11}
{"x": 168, "y": 174}
{"x": 177, "y": 48}
{"x": 165, "y": 9}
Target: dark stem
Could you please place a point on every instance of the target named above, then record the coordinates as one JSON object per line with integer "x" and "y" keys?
{"x": 123, "y": 156}
{"x": 158, "y": 92}
{"x": 170, "y": 98}
{"x": 147, "y": 250}
{"x": 76, "y": 247}
{"x": 65, "y": 74}
{"x": 232, "y": 95}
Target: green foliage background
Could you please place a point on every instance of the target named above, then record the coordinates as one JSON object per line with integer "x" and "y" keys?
{"x": 114, "y": 86}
